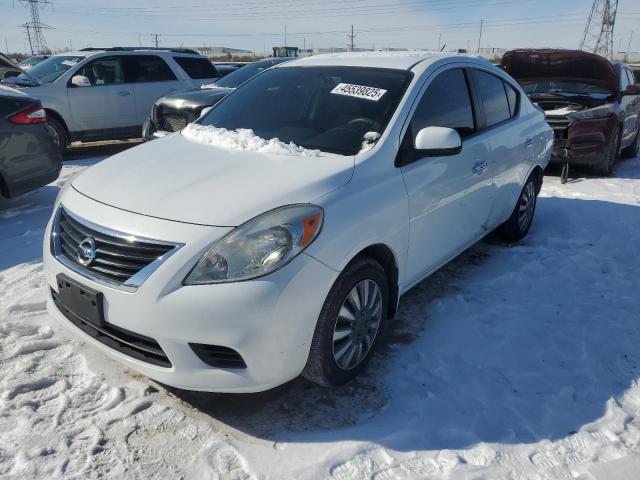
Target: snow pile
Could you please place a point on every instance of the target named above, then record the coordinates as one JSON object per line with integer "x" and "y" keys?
{"x": 244, "y": 139}
{"x": 513, "y": 362}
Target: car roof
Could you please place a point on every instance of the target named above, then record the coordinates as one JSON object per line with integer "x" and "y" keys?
{"x": 403, "y": 60}
{"x": 86, "y": 52}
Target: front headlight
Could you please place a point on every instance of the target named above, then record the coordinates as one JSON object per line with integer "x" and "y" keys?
{"x": 592, "y": 114}
{"x": 259, "y": 246}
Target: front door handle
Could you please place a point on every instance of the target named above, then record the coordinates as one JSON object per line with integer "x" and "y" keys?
{"x": 528, "y": 143}
{"x": 124, "y": 94}
{"x": 479, "y": 167}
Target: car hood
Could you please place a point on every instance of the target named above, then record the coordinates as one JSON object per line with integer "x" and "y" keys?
{"x": 562, "y": 65}
{"x": 178, "y": 179}
{"x": 203, "y": 97}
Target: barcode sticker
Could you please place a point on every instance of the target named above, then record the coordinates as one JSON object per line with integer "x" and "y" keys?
{"x": 359, "y": 91}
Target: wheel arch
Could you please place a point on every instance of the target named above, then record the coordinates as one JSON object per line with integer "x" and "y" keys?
{"x": 538, "y": 174}
{"x": 58, "y": 117}
{"x": 385, "y": 256}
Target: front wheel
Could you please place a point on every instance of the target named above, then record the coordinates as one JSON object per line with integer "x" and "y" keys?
{"x": 351, "y": 324}
{"x": 609, "y": 161}
{"x": 519, "y": 223}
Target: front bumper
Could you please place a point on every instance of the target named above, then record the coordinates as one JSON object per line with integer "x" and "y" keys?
{"x": 268, "y": 321}
{"x": 585, "y": 143}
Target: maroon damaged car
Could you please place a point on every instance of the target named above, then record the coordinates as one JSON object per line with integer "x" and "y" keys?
{"x": 592, "y": 104}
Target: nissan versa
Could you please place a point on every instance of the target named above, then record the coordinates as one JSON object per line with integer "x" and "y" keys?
{"x": 275, "y": 236}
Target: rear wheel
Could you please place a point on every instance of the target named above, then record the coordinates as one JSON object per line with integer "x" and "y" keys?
{"x": 632, "y": 150}
{"x": 351, "y": 324}
{"x": 58, "y": 134}
{"x": 609, "y": 162}
{"x": 519, "y": 223}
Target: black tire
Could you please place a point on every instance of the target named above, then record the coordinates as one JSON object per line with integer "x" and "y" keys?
{"x": 58, "y": 133}
{"x": 609, "y": 161}
{"x": 322, "y": 367}
{"x": 632, "y": 150}
{"x": 514, "y": 229}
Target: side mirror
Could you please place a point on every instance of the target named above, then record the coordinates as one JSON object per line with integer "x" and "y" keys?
{"x": 632, "y": 90}
{"x": 80, "y": 81}
{"x": 437, "y": 142}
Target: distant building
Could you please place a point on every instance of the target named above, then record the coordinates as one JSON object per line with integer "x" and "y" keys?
{"x": 285, "y": 51}
{"x": 222, "y": 52}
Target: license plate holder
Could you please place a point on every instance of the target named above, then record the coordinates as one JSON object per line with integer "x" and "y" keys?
{"x": 84, "y": 302}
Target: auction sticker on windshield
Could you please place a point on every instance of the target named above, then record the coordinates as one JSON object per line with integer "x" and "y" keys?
{"x": 359, "y": 91}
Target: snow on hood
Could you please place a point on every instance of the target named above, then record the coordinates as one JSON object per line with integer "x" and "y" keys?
{"x": 177, "y": 178}
{"x": 531, "y": 65}
{"x": 244, "y": 139}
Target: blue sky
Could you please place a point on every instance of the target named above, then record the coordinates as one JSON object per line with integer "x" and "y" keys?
{"x": 258, "y": 25}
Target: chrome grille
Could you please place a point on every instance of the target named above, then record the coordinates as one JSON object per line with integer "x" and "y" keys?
{"x": 560, "y": 127}
{"x": 173, "y": 119}
{"x": 119, "y": 259}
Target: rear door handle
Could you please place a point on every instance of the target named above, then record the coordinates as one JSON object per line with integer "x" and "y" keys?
{"x": 479, "y": 167}
{"x": 528, "y": 143}
{"x": 124, "y": 94}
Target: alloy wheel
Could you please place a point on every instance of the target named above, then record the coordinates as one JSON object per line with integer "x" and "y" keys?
{"x": 357, "y": 324}
{"x": 527, "y": 206}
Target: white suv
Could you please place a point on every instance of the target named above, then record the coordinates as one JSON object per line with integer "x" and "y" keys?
{"x": 106, "y": 94}
{"x": 303, "y": 205}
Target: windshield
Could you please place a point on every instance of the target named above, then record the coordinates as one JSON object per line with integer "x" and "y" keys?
{"x": 324, "y": 108}
{"x": 553, "y": 86}
{"x": 241, "y": 75}
{"x": 50, "y": 69}
{"x": 31, "y": 61}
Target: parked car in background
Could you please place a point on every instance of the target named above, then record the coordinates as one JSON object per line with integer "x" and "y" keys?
{"x": 275, "y": 236}
{"x": 28, "y": 157}
{"x": 173, "y": 112}
{"x": 27, "y": 63}
{"x": 8, "y": 68}
{"x": 225, "y": 69}
{"x": 592, "y": 104}
{"x": 635, "y": 69}
{"x": 106, "y": 94}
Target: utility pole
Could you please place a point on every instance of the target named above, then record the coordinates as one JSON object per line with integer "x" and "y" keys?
{"x": 155, "y": 38}
{"x": 468, "y": 45}
{"x": 35, "y": 26}
{"x": 598, "y": 33}
{"x": 480, "y": 36}
{"x": 629, "y": 47}
{"x": 439, "y": 40}
{"x": 6, "y": 46}
{"x": 285, "y": 35}
{"x": 351, "y": 38}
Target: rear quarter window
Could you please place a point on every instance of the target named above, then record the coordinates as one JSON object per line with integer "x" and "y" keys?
{"x": 493, "y": 97}
{"x": 197, "y": 68}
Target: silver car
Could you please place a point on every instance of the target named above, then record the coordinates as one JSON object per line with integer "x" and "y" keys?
{"x": 106, "y": 94}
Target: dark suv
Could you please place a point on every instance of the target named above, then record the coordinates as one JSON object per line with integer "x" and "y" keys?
{"x": 592, "y": 104}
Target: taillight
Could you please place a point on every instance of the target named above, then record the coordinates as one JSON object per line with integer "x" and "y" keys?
{"x": 35, "y": 114}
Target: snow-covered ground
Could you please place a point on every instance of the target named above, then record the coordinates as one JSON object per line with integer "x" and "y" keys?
{"x": 514, "y": 362}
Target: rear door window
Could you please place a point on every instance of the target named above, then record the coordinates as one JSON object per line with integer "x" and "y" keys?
{"x": 493, "y": 97}
{"x": 197, "y": 68}
{"x": 147, "y": 68}
{"x": 446, "y": 103}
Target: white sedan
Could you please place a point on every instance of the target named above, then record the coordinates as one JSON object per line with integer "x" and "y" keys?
{"x": 275, "y": 236}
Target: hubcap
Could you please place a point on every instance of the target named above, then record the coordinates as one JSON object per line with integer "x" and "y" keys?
{"x": 527, "y": 206}
{"x": 357, "y": 324}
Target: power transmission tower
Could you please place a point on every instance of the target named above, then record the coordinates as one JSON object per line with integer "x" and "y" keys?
{"x": 598, "y": 34}
{"x": 35, "y": 27}
{"x": 352, "y": 38}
